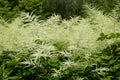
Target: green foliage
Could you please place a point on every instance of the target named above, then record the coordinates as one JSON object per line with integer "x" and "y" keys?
{"x": 56, "y": 49}
{"x": 108, "y": 36}
{"x": 33, "y": 6}
{"x": 61, "y": 45}
{"x": 70, "y": 8}
{"x": 109, "y": 61}
{"x": 10, "y": 9}
{"x": 105, "y": 5}
{"x": 9, "y": 65}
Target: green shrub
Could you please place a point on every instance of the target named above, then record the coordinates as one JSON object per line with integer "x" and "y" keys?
{"x": 9, "y": 65}
{"x": 10, "y": 9}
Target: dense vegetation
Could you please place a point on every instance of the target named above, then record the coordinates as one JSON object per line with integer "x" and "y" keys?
{"x": 45, "y": 8}
{"x": 84, "y": 47}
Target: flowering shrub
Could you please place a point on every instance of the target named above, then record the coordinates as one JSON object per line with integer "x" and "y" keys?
{"x": 56, "y": 49}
